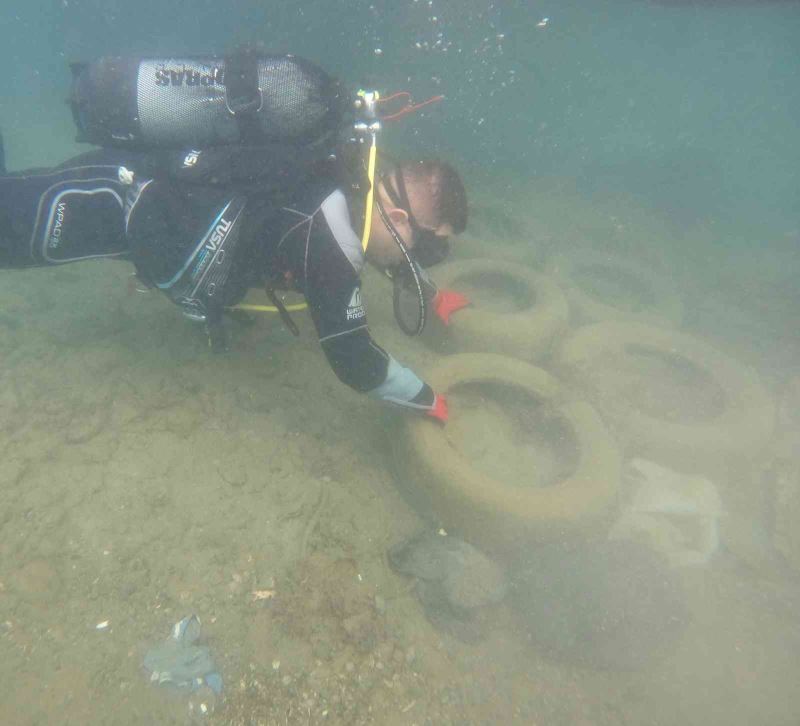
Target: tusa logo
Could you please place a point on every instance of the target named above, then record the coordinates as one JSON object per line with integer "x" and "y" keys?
{"x": 58, "y": 226}
{"x": 191, "y": 159}
{"x": 190, "y": 77}
{"x": 218, "y": 235}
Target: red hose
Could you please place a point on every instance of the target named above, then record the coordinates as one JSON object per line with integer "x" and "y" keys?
{"x": 410, "y": 106}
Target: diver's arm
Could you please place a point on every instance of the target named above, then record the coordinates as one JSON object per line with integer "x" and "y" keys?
{"x": 72, "y": 212}
{"x": 364, "y": 366}
{"x": 333, "y": 291}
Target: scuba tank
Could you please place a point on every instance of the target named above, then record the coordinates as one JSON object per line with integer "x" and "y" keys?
{"x": 250, "y": 121}
{"x": 245, "y": 98}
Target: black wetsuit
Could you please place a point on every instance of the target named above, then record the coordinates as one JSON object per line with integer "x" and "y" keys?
{"x": 204, "y": 238}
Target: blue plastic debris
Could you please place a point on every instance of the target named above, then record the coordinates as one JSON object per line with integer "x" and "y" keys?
{"x": 179, "y": 663}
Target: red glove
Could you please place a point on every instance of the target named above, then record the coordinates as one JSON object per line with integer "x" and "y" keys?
{"x": 439, "y": 409}
{"x": 446, "y": 302}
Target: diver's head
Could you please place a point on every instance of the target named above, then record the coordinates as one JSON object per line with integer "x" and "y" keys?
{"x": 423, "y": 202}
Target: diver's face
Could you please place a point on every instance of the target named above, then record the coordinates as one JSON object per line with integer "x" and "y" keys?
{"x": 382, "y": 251}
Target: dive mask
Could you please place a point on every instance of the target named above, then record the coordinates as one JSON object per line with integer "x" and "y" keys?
{"x": 429, "y": 248}
{"x": 413, "y": 289}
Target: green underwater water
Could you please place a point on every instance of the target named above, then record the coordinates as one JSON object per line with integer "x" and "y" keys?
{"x": 143, "y": 479}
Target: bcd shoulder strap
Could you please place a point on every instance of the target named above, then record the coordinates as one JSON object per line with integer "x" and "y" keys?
{"x": 243, "y": 95}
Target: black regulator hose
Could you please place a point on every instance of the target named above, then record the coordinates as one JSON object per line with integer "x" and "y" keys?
{"x": 400, "y": 279}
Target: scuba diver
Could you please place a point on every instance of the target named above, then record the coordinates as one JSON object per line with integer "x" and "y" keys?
{"x": 264, "y": 195}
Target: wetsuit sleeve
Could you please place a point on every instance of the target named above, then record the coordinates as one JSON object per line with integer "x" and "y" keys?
{"x": 333, "y": 261}
{"x": 73, "y": 212}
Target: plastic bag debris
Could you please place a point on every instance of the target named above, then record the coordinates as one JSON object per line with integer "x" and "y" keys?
{"x": 180, "y": 663}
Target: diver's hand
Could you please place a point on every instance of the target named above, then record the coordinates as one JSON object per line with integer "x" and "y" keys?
{"x": 438, "y": 411}
{"x": 446, "y": 302}
{"x": 430, "y": 404}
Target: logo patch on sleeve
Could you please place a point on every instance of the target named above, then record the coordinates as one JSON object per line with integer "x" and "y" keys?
{"x": 355, "y": 308}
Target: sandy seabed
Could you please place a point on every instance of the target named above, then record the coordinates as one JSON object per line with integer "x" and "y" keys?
{"x": 144, "y": 479}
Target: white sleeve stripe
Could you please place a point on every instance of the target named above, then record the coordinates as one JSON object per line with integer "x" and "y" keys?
{"x": 337, "y": 215}
{"x": 408, "y": 404}
{"x": 344, "y": 332}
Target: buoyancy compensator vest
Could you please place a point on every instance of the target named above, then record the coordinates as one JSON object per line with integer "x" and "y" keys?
{"x": 219, "y": 133}
{"x": 246, "y": 98}
{"x": 251, "y": 123}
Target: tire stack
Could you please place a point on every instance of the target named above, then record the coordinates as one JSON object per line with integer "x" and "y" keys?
{"x": 492, "y": 344}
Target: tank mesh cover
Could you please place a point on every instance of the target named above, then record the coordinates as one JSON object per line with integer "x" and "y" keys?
{"x": 182, "y": 101}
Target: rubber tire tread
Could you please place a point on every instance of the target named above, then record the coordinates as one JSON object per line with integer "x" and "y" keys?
{"x": 500, "y": 516}
{"x": 666, "y": 310}
{"x": 743, "y": 428}
{"x": 526, "y": 334}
